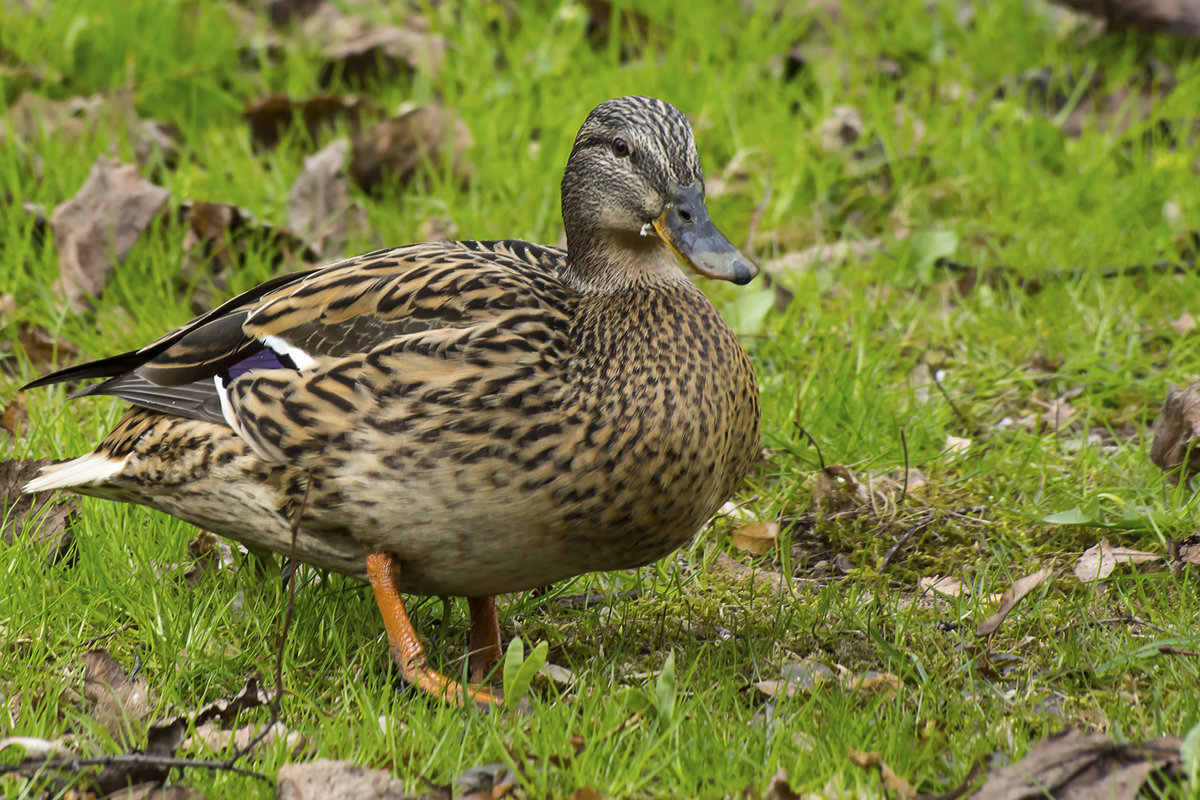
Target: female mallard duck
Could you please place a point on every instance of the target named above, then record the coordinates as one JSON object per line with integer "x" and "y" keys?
{"x": 460, "y": 418}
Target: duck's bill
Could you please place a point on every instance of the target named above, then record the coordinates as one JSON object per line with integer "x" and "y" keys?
{"x": 685, "y": 226}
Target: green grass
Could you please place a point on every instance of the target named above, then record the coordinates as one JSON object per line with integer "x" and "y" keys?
{"x": 940, "y": 153}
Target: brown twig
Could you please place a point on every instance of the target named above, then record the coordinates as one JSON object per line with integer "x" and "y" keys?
{"x": 919, "y": 525}
{"x": 276, "y": 704}
{"x": 128, "y": 760}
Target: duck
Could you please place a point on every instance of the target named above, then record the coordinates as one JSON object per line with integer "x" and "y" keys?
{"x": 462, "y": 419}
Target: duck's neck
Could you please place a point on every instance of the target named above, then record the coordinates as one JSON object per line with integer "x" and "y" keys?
{"x": 615, "y": 264}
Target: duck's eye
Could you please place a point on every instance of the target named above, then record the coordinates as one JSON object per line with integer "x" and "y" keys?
{"x": 620, "y": 147}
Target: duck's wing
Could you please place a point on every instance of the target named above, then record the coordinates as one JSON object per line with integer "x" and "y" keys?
{"x": 294, "y": 323}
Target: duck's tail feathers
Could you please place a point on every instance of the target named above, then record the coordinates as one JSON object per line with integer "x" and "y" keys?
{"x": 90, "y": 470}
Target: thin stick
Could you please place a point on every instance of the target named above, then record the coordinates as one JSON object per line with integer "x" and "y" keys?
{"x": 276, "y": 704}
{"x": 129, "y": 759}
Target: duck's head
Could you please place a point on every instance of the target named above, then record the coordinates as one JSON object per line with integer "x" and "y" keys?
{"x": 633, "y": 201}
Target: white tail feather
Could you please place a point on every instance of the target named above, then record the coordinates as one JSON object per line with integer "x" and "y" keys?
{"x": 90, "y": 470}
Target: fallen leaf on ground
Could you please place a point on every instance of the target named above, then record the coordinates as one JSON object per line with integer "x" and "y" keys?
{"x": 1076, "y": 765}
{"x": 43, "y": 522}
{"x": 212, "y": 737}
{"x": 38, "y": 749}
{"x": 943, "y": 585}
{"x": 271, "y": 116}
{"x": 43, "y": 350}
{"x": 1171, "y": 17}
{"x": 608, "y": 20}
{"x": 836, "y": 489}
{"x": 756, "y": 538}
{"x": 14, "y": 416}
{"x": 1189, "y": 552}
{"x": 1177, "y": 433}
{"x": 1185, "y": 324}
{"x": 892, "y": 782}
{"x": 777, "y": 789}
{"x": 75, "y": 120}
{"x": 873, "y": 684}
{"x": 219, "y": 237}
{"x": 802, "y": 677}
{"x": 724, "y": 566}
{"x": 357, "y": 50}
{"x": 118, "y": 704}
{"x": 96, "y": 229}
{"x": 225, "y": 709}
{"x": 207, "y": 553}
{"x": 956, "y": 445}
{"x": 391, "y": 150}
{"x": 586, "y": 793}
{"x": 319, "y": 207}
{"x": 325, "y": 778}
{"x": 1013, "y": 595}
{"x": 1098, "y": 561}
{"x": 842, "y": 129}
{"x": 485, "y": 782}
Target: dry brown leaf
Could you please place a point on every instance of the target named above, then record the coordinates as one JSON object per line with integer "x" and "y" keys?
{"x": 43, "y": 522}
{"x": 357, "y": 50}
{"x": 729, "y": 568}
{"x": 118, "y": 704}
{"x": 95, "y": 230}
{"x": 1077, "y": 765}
{"x": 391, "y": 150}
{"x": 325, "y": 778}
{"x": 873, "y": 684}
{"x": 1170, "y": 17}
{"x": 843, "y": 128}
{"x": 1057, "y": 412}
{"x": 836, "y": 489}
{"x": 272, "y": 115}
{"x": 956, "y": 445}
{"x": 14, "y": 416}
{"x": 942, "y": 585}
{"x": 319, "y": 207}
{"x": 1177, "y": 433}
{"x": 586, "y": 793}
{"x": 485, "y": 782}
{"x": 801, "y": 677}
{"x": 892, "y": 782}
{"x": 218, "y": 238}
{"x": 756, "y": 538}
{"x": 1013, "y": 595}
{"x": 43, "y": 350}
{"x": 1189, "y": 553}
{"x": 281, "y": 12}
{"x": 211, "y": 737}
{"x": 1098, "y": 561}
{"x": 1090, "y": 105}
{"x": 778, "y": 788}
{"x": 69, "y": 120}
{"x": 607, "y": 19}
{"x": 38, "y": 749}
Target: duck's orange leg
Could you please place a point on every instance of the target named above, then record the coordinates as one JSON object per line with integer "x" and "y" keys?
{"x": 484, "y": 643}
{"x": 407, "y": 651}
